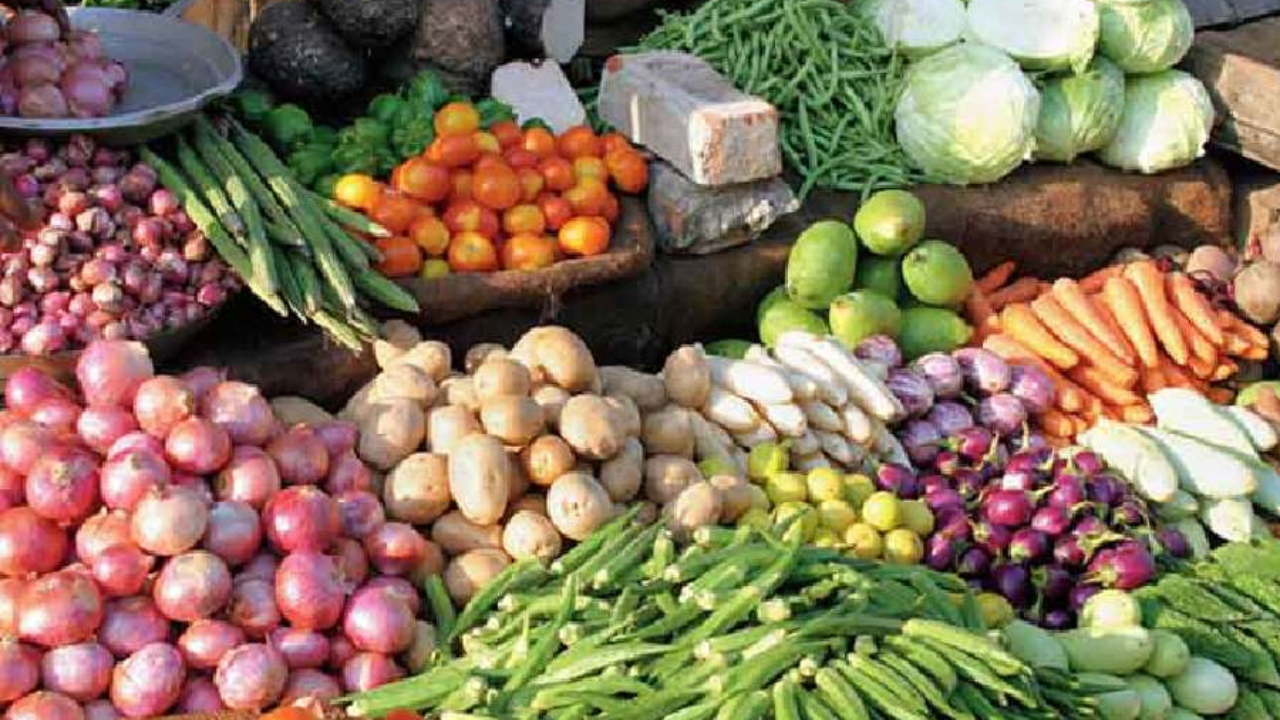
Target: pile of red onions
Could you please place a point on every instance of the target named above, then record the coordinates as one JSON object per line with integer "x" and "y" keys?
{"x": 166, "y": 545}
{"x": 115, "y": 257}
{"x": 49, "y": 75}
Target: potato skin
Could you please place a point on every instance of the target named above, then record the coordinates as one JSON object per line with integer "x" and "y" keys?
{"x": 551, "y": 399}
{"x": 669, "y": 431}
{"x": 455, "y": 534}
{"x": 557, "y": 355}
{"x": 403, "y": 381}
{"x": 416, "y": 491}
{"x": 497, "y": 377}
{"x": 735, "y": 494}
{"x": 514, "y": 419}
{"x": 398, "y": 337}
{"x": 628, "y": 415}
{"x": 577, "y": 505}
{"x": 390, "y": 431}
{"x": 698, "y": 505}
{"x": 531, "y": 535}
{"x": 666, "y": 476}
{"x": 447, "y": 425}
{"x": 531, "y": 502}
{"x": 480, "y": 478}
{"x": 471, "y": 571}
{"x": 431, "y": 357}
{"x": 590, "y": 426}
{"x": 460, "y": 391}
{"x": 547, "y": 458}
{"x": 647, "y": 391}
{"x": 687, "y": 377}
{"x": 481, "y": 353}
{"x": 623, "y": 475}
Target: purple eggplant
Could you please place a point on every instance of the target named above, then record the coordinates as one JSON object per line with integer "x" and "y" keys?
{"x": 1089, "y": 526}
{"x": 954, "y": 525}
{"x": 1051, "y": 520}
{"x": 1068, "y": 551}
{"x": 891, "y": 476}
{"x": 1088, "y": 463}
{"x": 940, "y": 553}
{"x": 1128, "y": 514}
{"x": 950, "y": 417}
{"x": 943, "y": 498}
{"x": 921, "y": 440}
{"x": 1037, "y": 460}
{"x": 1057, "y": 619}
{"x": 930, "y": 484}
{"x": 1018, "y": 480}
{"x": 985, "y": 373}
{"x": 1106, "y": 489}
{"x": 992, "y": 538}
{"x": 943, "y": 374}
{"x": 1054, "y": 582}
{"x": 1003, "y": 413}
{"x": 1067, "y": 493}
{"x": 912, "y": 390}
{"x": 1013, "y": 581}
{"x": 1080, "y": 595}
{"x": 968, "y": 483}
{"x": 880, "y": 349}
{"x": 1126, "y": 566}
{"x": 1174, "y": 543}
{"x": 1011, "y": 508}
{"x": 973, "y": 444}
{"x": 1034, "y": 441}
{"x": 973, "y": 563}
{"x": 946, "y": 462}
{"x": 1030, "y": 385}
{"x": 1028, "y": 545}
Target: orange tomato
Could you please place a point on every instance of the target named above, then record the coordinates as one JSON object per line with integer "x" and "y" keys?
{"x": 487, "y": 143}
{"x": 400, "y": 256}
{"x": 558, "y": 173}
{"x": 357, "y": 191}
{"x": 395, "y": 212}
{"x": 613, "y": 142}
{"x": 454, "y": 151}
{"x": 462, "y": 181}
{"x": 611, "y": 208}
{"x": 579, "y": 141}
{"x": 518, "y": 157}
{"x": 539, "y": 141}
{"x": 497, "y": 187}
{"x": 588, "y": 197}
{"x": 523, "y": 219}
{"x": 584, "y": 236}
{"x": 471, "y": 216}
{"x": 555, "y": 210}
{"x": 507, "y": 132}
{"x": 628, "y": 170}
{"x": 457, "y": 119}
{"x": 528, "y": 251}
{"x": 488, "y": 160}
{"x": 472, "y": 252}
{"x": 402, "y": 714}
{"x": 290, "y": 713}
{"x": 430, "y": 234}
{"x": 531, "y": 184}
{"x": 422, "y": 179}
{"x": 590, "y": 167}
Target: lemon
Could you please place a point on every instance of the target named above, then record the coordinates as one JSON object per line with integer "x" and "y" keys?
{"x": 757, "y": 518}
{"x": 837, "y": 515}
{"x": 864, "y": 541}
{"x": 786, "y": 487}
{"x": 826, "y": 538}
{"x": 882, "y": 511}
{"x": 805, "y": 523}
{"x": 903, "y": 547}
{"x": 857, "y": 488}
{"x": 825, "y": 484}
{"x": 994, "y": 609}
{"x": 766, "y": 460}
{"x": 718, "y": 465}
{"x": 917, "y": 517}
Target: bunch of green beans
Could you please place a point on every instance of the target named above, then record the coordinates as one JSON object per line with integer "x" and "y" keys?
{"x": 826, "y": 68}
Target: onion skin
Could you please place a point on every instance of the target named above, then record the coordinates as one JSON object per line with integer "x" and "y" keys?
{"x": 110, "y": 371}
{"x": 202, "y": 379}
{"x": 197, "y": 446}
{"x": 131, "y": 623}
{"x": 58, "y": 414}
{"x": 81, "y": 672}
{"x": 253, "y": 608}
{"x": 368, "y": 670}
{"x": 250, "y": 476}
{"x": 301, "y": 517}
{"x": 63, "y": 485}
{"x": 31, "y": 26}
{"x": 149, "y": 681}
{"x": 234, "y": 532}
{"x": 10, "y": 593}
{"x": 101, "y": 710}
{"x": 399, "y": 588}
{"x": 60, "y": 609}
{"x": 130, "y": 476}
{"x": 19, "y": 670}
{"x": 137, "y": 440}
{"x": 161, "y": 403}
{"x": 28, "y": 386}
{"x": 361, "y": 513}
{"x": 309, "y": 590}
{"x": 240, "y": 410}
{"x": 45, "y": 705}
{"x": 205, "y": 642}
{"x": 263, "y": 566}
{"x": 301, "y": 648}
{"x": 340, "y": 651}
{"x": 192, "y": 586}
{"x": 199, "y": 695}
{"x": 251, "y": 677}
{"x": 338, "y": 436}
{"x": 376, "y": 620}
{"x": 309, "y": 683}
{"x": 100, "y": 426}
{"x": 121, "y": 570}
{"x": 101, "y": 531}
{"x": 395, "y": 548}
{"x": 300, "y": 455}
{"x": 353, "y": 563}
{"x": 348, "y": 472}
{"x": 22, "y": 443}
{"x": 170, "y": 521}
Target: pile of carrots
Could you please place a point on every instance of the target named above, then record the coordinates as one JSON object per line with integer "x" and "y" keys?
{"x": 1110, "y": 339}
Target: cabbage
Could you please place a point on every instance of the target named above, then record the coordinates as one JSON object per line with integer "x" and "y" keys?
{"x": 967, "y": 115}
{"x": 1079, "y": 113}
{"x": 1166, "y": 123}
{"x": 1144, "y": 37}
{"x": 1039, "y": 34}
{"x": 918, "y": 27}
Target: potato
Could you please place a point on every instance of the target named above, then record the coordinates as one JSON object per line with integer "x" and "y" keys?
{"x": 531, "y": 502}
{"x": 669, "y": 431}
{"x": 687, "y": 377}
{"x": 431, "y": 357}
{"x": 398, "y": 337}
{"x": 455, "y": 534}
{"x": 647, "y": 391}
{"x": 480, "y": 478}
{"x": 547, "y": 458}
{"x": 478, "y": 354}
{"x": 624, "y": 408}
{"x": 447, "y": 425}
{"x": 519, "y": 484}
{"x": 418, "y": 656}
{"x": 416, "y": 491}
{"x": 577, "y": 505}
{"x": 403, "y": 381}
{"x": 666, "y": 476}
{"x": 551, "y": 399}
{"x": 432, "y": 564}
{"x": 591, "y": 427}
{"x": 390, "y": 432}
{"x": 468, "y": 573}
{"x": 698, "y": 505}
{"x": 623, "y": 475}
{"x": 501, "y": 377}
{"x": 555, "y": 354}
{"x": 291, "y": 410}
{"x": 735, "y": 495}
{"x": 530, "y": 535}
{"x": 514, "y": 419}
{"x": 461, "y": 392}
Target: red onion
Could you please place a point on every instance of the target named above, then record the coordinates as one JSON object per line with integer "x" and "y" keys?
{"x": 251, "y": 677}
{"x": 148, "y": 682}
{"x": 205, "y": 642}
{"x": 340, "y": 651}
{"x": 199, "y": 696}
{"x": 81, "y": 672}
{"x": 338, "y": 436}
{"x": 399, "y": 588}
{"x": 59, "y": 609}
{"x": 101, "y": 710}
{"x": 192, "y": 586}
{"x": 163, "y": 202}
{"x": 368, "y": 670}
{"x": 101, "y": 531}
{"x": 262, "y": 567}
{"x": 395, "y": 548}
{"x": 31, "y": 26}
{"x": 40, "y": 100}
{"x": 63, "y": 484}
{"x": 309, "y": 683}
{"x": 57, "y": 414}
{"x": 300, "y": 455}
{"x": 129, "y": 624}
{"x": 100, "y": 426}
{"x": 110, "y": 371}
{"x": 250, "y": 477}
{"x": 161, "y": 403}
{"x": 301, "y": 518}
{"x": 29, "y": 543}
{"x": 170, "y": 521}
{"x": 45, "y": 705}
{"x": 377, "y": 620}
{"x": 353, "y": 563}
{"x": 87, "y": 89}
{"x": 22, "y": 442}
{"x": 309, "y": 590}
{"x": 121, "y": 570}
{"x": 240, "y": 409}
{"x": 28, "y": 387}
{"x": 128, "y": 477}
{"x": 202, "y": 379}
{"x": 301, "y": 648}
{"x": 361, "y": 513}
{"x": 253, "y": 608}
{"x": 10, "y": 593}
{"x": 234, "y": 533}
{"x": 45, "y": 338}
{"x": 197, "y": 446}
{"x": 348, "y": 472}
{"x": 135, "y": 441}
{"x": 34, "y": 70}
{"x": 19, "y": 670}
{"x": 12, "y": 487}
{"x": 108, "y": 197}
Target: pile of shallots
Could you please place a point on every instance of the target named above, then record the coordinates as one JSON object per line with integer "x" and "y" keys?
{"x": 166, "y": 544}
{"x": 49, "y": 74}
{"x": 116, "y": 256}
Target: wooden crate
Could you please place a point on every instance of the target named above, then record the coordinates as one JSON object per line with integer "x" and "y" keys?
{"x": 1241, "y": 69}
{"x": 228, "y": 18}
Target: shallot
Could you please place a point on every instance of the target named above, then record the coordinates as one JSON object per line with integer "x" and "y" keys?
{"x": 127, "y": 477}
{"x": 300, "y": 455}
{"x": 161, "y": 403}
{"x": 149, "y": 681}
{"x": 301, "y": 648}
{"x": 100, "y": 426}
{"x": 199, "y": 696}
{"x": 121, "y": 570}
{"x": 395, "y": 548}
{"x": 376, "y": 620}
{"x": 63, "y": 484}
{"x": 368, "y": 670}
{"x": 197, "y": 446}
{"x": 309, "y": 683}
{"x": 301, "y": 517}
{"x": 30, "y": 543}
{"x": 251, "y": 677}
{"x": 234, "y": 532}
{"x": 104, "y": 530}
{"x": 252, "y": 608}
{"x": 205, "y": 642}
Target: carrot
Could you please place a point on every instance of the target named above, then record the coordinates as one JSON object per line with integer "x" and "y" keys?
{"x": 1201, "y": 348}
{"x": 1234, "y": 323}
{"x": 1146, "y": 277}
{"x": 1182, "y": 292}
{"x": 1138, "y": 414}
{"x": 1078, "y": 338}
{"x": 1087, "y": 421}
{"x": 997, "y": 277}
{"x": 1104, "y": 313}
{"x": 1152, "y": 380}
{"x": 1174, "y": 375}
{"x": 1020, "y": 322}
{"x": 1221, "y": 395}
{"x": 1255, "y": 353}
{"x": 1094, "y": 282}
{"x": 1224, "y": 371}
{"x": 1201, "y": 369}
{"x": 1095, "y": 381}
{"x": 1236, "y": 345}
{"x": 1021, "y": 290}
{"x": 1121, "y": 298}
{"x": 980, "y": 315}
{"x": 1058, "y": 442}
{"x": 1067, "y": 292}
{"x": 1056, "y": 424}
{"x": 1070, "y": 397}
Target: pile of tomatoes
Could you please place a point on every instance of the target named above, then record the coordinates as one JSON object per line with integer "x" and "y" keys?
{"x": 499, "y": 198}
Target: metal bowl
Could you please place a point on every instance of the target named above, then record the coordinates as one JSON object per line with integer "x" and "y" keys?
{"x": 175, "y": 69}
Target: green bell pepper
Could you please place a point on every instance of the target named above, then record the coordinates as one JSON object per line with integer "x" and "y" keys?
{"x": 384, "y": 107}
{"x": 412, "y": 130}
{"x": 532, "y": 123}
{"x": 287, "y": 126}
{"x": 494, "y": 111}
{"x": 311, "y": 161}
{"x": 427, "y": 89}
{"x": 326, "y": 184}
{"x": 324, "y": 135}
{"x": 354, "y": 157}
{"x": 253, "y": 105}
{"x": 366, "y": 131}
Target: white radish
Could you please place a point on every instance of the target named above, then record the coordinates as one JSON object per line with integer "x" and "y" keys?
{"x": 763, "y": 433}
{"x": 751, "y": 380}
{"x": 823, "y": 417}
{"x": 1261, "y": 433}
{"x": 887, "y": 447}
{"x": 837, "y": 448}
{"x": 709, "y": 440}
{"x": 857, "y": 426}
{"x": 810, "y": 462}
{"x": 831, "y": 389}
{"x": 788, "y": 419}
{"x": 730, "y": 411}
{"x": 865, "y": 389}
{"x": 806, "y": 444}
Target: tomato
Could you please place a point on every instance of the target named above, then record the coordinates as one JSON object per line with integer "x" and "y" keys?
{"x": 290, "y": 713}
{"x": 628, "y": 170}
{"x": 395, "y": 212}
{"x": 539, "y": 141}
{"x": 588, "y": 197}
{"x": 531, "y": 183}
{"x": 528, "y": 251}
{"x": 488, "y": 160}
{"x": 357, "y": 191}
{"x": 579, "y": 141}
{"x": 611, "y": 208}
{"x": 508, "y": 133}
{"x": 430, "y": 234}
{"x": 487, "y": 142}
{"x": 457, "y": 119}
{"x": 472, "y": 252}
{"x": 584, "y": 236}
{"x": 558, "y": 173}
{"x": 471, "y": 216}
{"x": 520, "y": 158}
{"x": 590, "y": 167}
{"x": 400, "y": 256}
{"x": 455, "y": 151}
{"x": 523, "y": 219}
{"x": 497, "y": 187}
{"x": 434, "y": 268}
{"x": 422, "y": 179}
{"x": 613, "y": 142}
{"x": 462, "y": 181}
{"x": 402, "y": 714}
{"x": 555, "y": 210}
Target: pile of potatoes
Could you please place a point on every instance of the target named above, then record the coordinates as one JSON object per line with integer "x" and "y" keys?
{"x": 532, "y": 448}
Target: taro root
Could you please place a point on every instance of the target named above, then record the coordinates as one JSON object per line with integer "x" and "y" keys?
{"x": 371, "y": 24}
{"x": 1257, "y": 292}
{"x": 298, "y": 53}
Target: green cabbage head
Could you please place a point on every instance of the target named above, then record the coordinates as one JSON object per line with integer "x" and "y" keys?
{"x": 1079, "y": 113}
{"x": 1144, "y": 37}
{"x": 1166, "y": 123}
